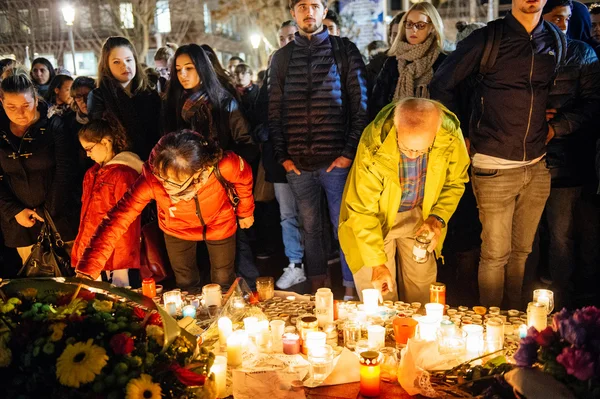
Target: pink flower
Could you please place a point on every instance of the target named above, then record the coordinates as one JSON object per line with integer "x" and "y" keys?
{"x": 578, "y": 363}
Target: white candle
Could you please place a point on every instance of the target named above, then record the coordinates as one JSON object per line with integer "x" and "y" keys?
{"x": 251, "y": 325}
{"x": 376, "y": 336}
{"x": 435, "y": 310}
{"x": 371, "y": 300}
{"x": 225, "y": 328}
{"x": 212, "y": 295}
{"x": 171, "y": 308}
{"x": 189, "y": 311}
{"x": 537, "y": 316}
{"x": 494, "y": 334}
{"x": 315, "y": 339}
{"x": 475, "y": 343}
{"x": 545, "y": 297}
{"x": 277, "y": 329}
{"x": 219, "y": 369}
{"x": 428, "y": 326}
{"x": 173, "y": 296}
{"x": 235, "y": 348}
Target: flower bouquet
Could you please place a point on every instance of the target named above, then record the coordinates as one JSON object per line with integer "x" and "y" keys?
{"x": 569, "y": 351}
{"x": 59, "y": 339}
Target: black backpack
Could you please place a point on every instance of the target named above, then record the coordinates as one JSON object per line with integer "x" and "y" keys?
{"x": 492, "y": 46}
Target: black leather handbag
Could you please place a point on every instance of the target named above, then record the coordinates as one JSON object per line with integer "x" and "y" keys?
{"x": 49, "y": 257}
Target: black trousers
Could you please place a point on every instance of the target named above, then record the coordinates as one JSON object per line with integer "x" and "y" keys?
{"x": 182, "y": 255}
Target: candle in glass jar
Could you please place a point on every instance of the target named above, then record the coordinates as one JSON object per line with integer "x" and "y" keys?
{"x": 428, "y": 326}
{"x": 235, "y": 348}
{"x": 171, "y": 308}
{"x": 219, "y": 369}
{"x": 494, "y": 337}
{"x": 370, "y": 371}
{"x": 371, "y": 300}
{"x": 537, "y": 315}
{"x": 265, "y": 286}
{"x": 475, "y": 343}
{"x": 189, "y": 311}
{"x": 212, "y": 295}
{"x": 173, "y": 296}
{"x": 291, "y": 344}
{"x": 435, "y": 310}
{"x": 149, "y": 287}
{"x": 251, "y": 325}
{"x": 225, "y": 328}
{"x": 315, "y": 339}
{"x": 376, "y": 336}
{"x": 437, "y": 293}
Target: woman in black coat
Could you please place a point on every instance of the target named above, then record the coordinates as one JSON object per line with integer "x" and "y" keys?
{"x": 123, "y": 92}
{"x": 35, "y": 164}
{"x": 414, "y": 56}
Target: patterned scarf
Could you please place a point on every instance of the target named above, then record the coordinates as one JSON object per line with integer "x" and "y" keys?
{"x": 192, "y": 189}
{"x": 415, "y": 62}
{"x": 197, "y": 112}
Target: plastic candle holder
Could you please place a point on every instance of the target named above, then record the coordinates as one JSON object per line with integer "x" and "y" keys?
{"x": 189, "y": 311}
{"x": 371, "y": 300}
{"x": 376, "y": 336}
{"x": 428, "y": 326}
{"x": 370, "y": 371}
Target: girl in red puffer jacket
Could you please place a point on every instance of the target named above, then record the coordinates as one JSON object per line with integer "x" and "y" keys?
{"x": 186, "y": 175}
{"x": 104, "y": 184}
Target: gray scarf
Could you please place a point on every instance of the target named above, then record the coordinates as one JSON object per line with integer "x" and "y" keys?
{"x": 415, "y": 68}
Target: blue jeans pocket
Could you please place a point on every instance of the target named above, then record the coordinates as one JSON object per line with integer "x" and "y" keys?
{"x": 483, "y": 173}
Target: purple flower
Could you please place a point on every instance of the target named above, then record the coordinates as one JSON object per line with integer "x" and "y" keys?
{"x": 573, "y": 332}
{"x": 589, "y": 315}
{"x": 527, "y": 353}
{"x": 578, "y": 363}
{"x": 558, "y": 317}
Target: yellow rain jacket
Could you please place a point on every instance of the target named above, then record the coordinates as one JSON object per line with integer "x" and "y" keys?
{"x": 372, "y": 194}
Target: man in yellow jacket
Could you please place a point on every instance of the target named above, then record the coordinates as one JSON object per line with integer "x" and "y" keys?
{"x": 408, "y": 176}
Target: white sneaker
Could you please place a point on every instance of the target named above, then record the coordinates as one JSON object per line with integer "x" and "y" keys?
{"x": 291, "y": 276}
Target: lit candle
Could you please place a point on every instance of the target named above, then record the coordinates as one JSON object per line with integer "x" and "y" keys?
{"x": 219, "y": 369}
{"x": 235, "y": 348}
{"x": 277, "y": 330}
{"x": 190, "y": 311}
{"x": 171, "y": 308}
{"x": 435, "y": 310}
{"x": 494, "y": 334}
{"x": 315, "y": 339}
{"x": 428, "y": 326}
{"x": 225, "y": 328}
{"x": 212, "y": 295}
{"x": 371, "y": 300}
{"x": 251, "y": 325}
{"x": 376, "y": 336}
{"x": 291, "y": 344}
{"x": 370, "y": 371}
{"x": 537, "y": 315}
{"x": 475, "y": 343}
{"x": 522, "y": 331}
{"x": 173, "y": 296}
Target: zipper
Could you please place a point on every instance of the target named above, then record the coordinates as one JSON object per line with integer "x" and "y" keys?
{"x": 482, "y": 111}
{"x": 199, "y": 214}
{"x": 309, "y": 100}
{"x": 531, "y": 102}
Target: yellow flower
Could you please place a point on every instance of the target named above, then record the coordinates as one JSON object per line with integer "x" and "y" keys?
{"x": 156, "y": 332}
{"x": 57, "y": 331}
{"x": 143, "y": 388}
{"x": 102, "y": 306}
{"x": 80, "y": 363}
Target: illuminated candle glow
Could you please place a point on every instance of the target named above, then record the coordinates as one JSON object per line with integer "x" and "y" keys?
{"x": 370, "y": 371}
{"x": 225, "y": 328}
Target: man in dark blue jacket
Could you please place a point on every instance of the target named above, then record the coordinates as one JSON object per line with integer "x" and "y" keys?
{"x": 570, "y": 155}
{"x": 317, "y": 112}
{"x": 508, "y": 135}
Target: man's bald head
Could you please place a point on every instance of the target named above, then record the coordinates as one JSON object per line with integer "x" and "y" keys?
{"x": 417, "y": 121}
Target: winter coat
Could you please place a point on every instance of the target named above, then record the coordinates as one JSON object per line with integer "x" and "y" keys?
{"x": 576, "y": 95}
{"x": 386, "y": 82}
{"x": 36, "y": 172}
{"x": 103, "y": 187}
{"x": 373, "y": 193}
{"x": 209, "y": 216}
{"x": 373, "y": 69}
{"x": 140, "y": 116}
{"x": 509, "y": 117}
{"x": 310, "y": 122}
{"x": 231, "y": 126}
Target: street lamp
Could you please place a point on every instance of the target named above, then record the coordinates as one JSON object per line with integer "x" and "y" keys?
{"x": 255, "y": 39}
{"x": 69, "y": 15}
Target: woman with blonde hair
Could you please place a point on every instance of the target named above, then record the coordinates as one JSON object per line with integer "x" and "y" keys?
{"x": 414, "y": 56}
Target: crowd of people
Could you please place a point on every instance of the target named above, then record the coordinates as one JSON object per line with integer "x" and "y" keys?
{"x": 376, "y": 156}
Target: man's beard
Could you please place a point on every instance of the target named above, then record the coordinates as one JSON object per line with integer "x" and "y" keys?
{"x": 310, "y": 29}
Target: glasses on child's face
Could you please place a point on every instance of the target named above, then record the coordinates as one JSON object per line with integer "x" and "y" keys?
{"x": 419, "y": 25}
{"x": 89, "y": 149}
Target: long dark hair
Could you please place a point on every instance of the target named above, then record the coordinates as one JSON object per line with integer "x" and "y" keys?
{"x": 223, "y": 75}
{"x": 209, "y": 82}
{"x": 47, "y": 63}
{"x": 138, "y": 83}
{"x": 56, "y": 83}
{"x": 184, "y": 153}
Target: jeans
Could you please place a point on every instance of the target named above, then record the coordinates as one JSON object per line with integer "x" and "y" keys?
{"x": 560, "y": 215}
{"x": 307, "y": 189}
{"x": 290, "y": 228}
{"x": 182, "y": 255}
{"x": 244, "y": 257}
{"x": 510, "y": 202}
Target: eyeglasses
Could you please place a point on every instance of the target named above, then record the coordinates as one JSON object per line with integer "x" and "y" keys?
{"x": 419, "y": 25}
{"x": 81, "y": 97}
{"x": 176, "y": 185}
{"x": 88, "y": 150}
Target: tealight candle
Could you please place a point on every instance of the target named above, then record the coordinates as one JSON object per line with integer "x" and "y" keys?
{"x": 290, "y": 298}
{"x": 225, "y": 328}
{"x": 291, "y": 344}
{"x": 219, "y": 369}
{"x": 376, "y": 336}
{"x": 235, "y": 348}
{"x": 189, "y": 311}
{"x": 522, "y": 331}
{"x": 173, "y": 296}
{"x": 545, "y": 297}
{"x": 371, "y": 300}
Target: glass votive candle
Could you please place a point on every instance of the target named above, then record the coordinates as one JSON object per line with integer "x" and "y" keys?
{"x": 219, "y": 369}
{"x": 513, "y": 313}
{"x": 171, "y": 308}
{"x": 452, "y": 342}
{"x": 291, "y": 343}
{"x": 315, "y": 339}
{"x": 475, "y": 343}
{"x": 265, "y": 287}
{"x": 189, "y": 311}
{"x": 509, "y": 329}
{"x": 321, "y": 362}
{"x": 463, "y": 308}
{"x": 173, "y": 296}
{"x": 376, "y": 337}
{"x": 212, "y": 295}
{"x": 236, "y": 344}
{"x": 494, "y": 310}
{"x": 544, "y": 297}
{"x": 251, "y": 325}
{"x": 361, "y": 346}
{"x": 435, "y": 310}
{"x": 352, "y": 334}
{"x": 537, "y": 315}
{"x": 388, "y": 304}
{"x": 389, "y": 364}
{"x": 428, "y": 326}
{"x": 371, "y": 300}
{"x": 494, "y": 334}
